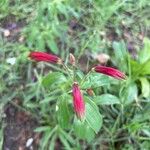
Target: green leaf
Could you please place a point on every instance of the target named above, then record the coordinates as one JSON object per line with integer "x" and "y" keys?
{"x": 144, "y": 54}
{"x": 140, "y": 69}
{"x": 65, "y": 142}
{"x": 2, "y": 135}
{"x": 120, "y": 54}
{"x": 53, "y": 78}
{"x": 120, "y": 50}
{"x": 145, "y": 87}
{"x": 79, "y": 74}
{"x": 52, "y": 45}
{"x": 48, "y": 99}
{"x": 31, "y": 105}
{"x": 42, "y": 129}
{"x": 45, "y": 138}
{"x": 93, "y": 116}
{"x": 40, "y": 43}
{"x": 106, "y": 99}
{"x": 64, "y": 113}
{"x": 96, "y": 80}
{"x": 145, "y": 68}
{"x": 67, "y": 136}
{"x": 52, "y": 142}
{"x": 135, "y": 66}
{"x": 83, "y": 130}
{"x": 134, "y": 126}
{"x": 130, "y": 93}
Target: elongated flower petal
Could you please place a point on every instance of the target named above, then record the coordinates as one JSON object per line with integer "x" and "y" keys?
{"x": 41, "y": 56}
{"x": 78, "y": 102}
{"x": 110, "y": 72}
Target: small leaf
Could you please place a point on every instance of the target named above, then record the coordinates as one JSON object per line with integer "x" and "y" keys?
{"x": 93, "y": 116}
{"x": 53, "y": 78}
{"x": 145, "y": 87}
{"x": 43, "y": 128}
{"x": 106, "y": 99}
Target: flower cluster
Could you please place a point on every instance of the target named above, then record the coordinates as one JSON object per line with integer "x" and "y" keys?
{"x": 78, "y": 101}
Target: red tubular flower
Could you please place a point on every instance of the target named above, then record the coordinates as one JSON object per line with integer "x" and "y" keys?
{"x": 78, "y": 102}
{"x": 110, "y": 72}
{"x": 41, "y": 56}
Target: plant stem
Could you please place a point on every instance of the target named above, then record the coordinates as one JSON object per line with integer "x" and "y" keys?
{"x": 85, "y": 77}
{"x": 67, "y": 69}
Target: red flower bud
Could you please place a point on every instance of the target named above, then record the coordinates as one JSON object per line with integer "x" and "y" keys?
{"x": 41, "y": 56}
{"x": 110, "y": 72}
{"x": 78, "y": 102}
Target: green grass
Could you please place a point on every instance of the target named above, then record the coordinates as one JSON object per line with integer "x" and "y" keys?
{"x": 81, "y": 27}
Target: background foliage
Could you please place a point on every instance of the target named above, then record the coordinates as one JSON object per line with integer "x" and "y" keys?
{"x": 119, "y": 28}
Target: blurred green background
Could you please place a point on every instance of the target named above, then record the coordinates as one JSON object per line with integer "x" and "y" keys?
{"x": 120, "y": 29}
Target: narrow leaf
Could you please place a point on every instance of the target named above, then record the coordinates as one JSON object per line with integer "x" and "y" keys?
{"x": 42, "y": 128}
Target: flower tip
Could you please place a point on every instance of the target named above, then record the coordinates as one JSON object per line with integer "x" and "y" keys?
{"x": 72, "y": 59}
{"x": 93, "y": 69}
{"x": 75, "y": 83}
{"x": 125, "y": 77}
{"x": 59, "y": 61}
{"x": 81, "y": 117}
{"x": 29, "y": 55}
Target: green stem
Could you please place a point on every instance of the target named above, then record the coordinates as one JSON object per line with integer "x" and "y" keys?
{"x": 68, "y": 71}
{"x": 85, "y": 77}
{"x": 86, "y": 44}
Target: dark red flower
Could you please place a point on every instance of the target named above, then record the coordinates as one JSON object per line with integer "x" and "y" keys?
{"x": 110, "y": 72}
{"x": 78, "y": 102}
{"x": 41, "y": 56}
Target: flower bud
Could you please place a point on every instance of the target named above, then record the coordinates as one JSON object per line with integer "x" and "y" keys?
{"x": 110, "y": 72}
{"x": 78, "y": 102}
{"x": 42, "y": 56}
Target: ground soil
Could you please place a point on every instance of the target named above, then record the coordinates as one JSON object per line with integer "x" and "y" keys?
{"x": 19, "y": 129}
